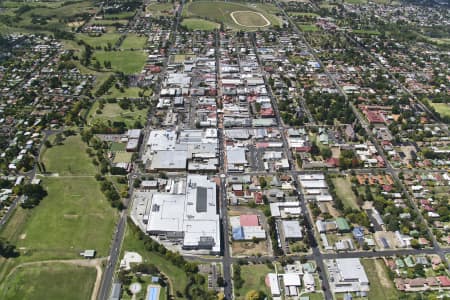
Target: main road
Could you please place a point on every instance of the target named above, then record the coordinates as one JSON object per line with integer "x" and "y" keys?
{"x": 119, "y": 233}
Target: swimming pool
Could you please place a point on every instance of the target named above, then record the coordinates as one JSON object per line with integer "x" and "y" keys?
{"x": 153, "y": 293}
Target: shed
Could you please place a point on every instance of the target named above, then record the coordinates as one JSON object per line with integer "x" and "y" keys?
{"x": 342, "y": 225}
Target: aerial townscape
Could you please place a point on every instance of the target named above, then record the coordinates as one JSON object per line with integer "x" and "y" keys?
{"x": 248, "y": 150}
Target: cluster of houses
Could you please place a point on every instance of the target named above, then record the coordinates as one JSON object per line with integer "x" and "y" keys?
{"x": 430, "y": 191}
{"x": 297, "y": 279}
{"x": 404, "y": 282}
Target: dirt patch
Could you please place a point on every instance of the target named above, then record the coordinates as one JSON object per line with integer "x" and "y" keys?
{"x": 333, "y": 211}
{"x": 75, "y": 24}
{"x": 384, "y": 280}
{"x": 70, "y": 216}
{"x": 249, "y": 248}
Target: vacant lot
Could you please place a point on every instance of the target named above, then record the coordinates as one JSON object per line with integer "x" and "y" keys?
{"x": 74, "y": 216}
{"x": 126, "y": 61}
{"x": 49, "y": 282}
{"x": 381, "y": 287}
{"x": 249, "y": 248}
{"x": 199, "y": 24}
{"x": 344, "y": 191}
{"x": 70, "y": 158}
{"x": 220, "y": 12}
{"x": 254, "y": 279}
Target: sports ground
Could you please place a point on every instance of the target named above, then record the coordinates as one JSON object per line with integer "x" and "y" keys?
{"x": 237, "y": 16}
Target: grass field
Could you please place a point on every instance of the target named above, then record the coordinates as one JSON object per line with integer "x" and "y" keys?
{"x": 132, "y": 92}
{"x": 69, "y": 158}
{"x": 254, "y": 279}
{"x": 442, "y": 108}
{"x": 356, "y": 1}
{"x": 74, "y": 216}
{"x": 52, "y": 13}
{"x": 303, "y": 14}
{"x": 381, "y": 287}
{"x": 344, "y": 191}
{"x": 366, "y": 31}
{"x": 315, "y": 296}
{"x": 126, "y": 61}
{"x": 134, "y": 41}
{"x": 99, "y": 41}
{"x": 112, "y": 112}
{"x": 220, "y": 12}
{"x": 122, "y": 156}
{"x": 199, "y": 24}
{"x": 160, "y": 9}
{"x": 50, "y": 282}
{"x": 308, "y": 27}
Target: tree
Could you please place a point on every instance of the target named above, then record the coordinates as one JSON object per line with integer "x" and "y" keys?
{"x": 33, "y": 193}
{"x": 262, "y": 182}
{"x": 220, "y": 281}
{"x": 7, "y": 250}
{"x": 253, "y": 295}
{"x": 326, "y": 152}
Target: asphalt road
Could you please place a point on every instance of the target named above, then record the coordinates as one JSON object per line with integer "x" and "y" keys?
{"x": 317, "y": 255}
{"x": 108, "y": 275}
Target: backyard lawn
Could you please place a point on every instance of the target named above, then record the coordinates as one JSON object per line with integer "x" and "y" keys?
{"x": 49, "y": 282}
